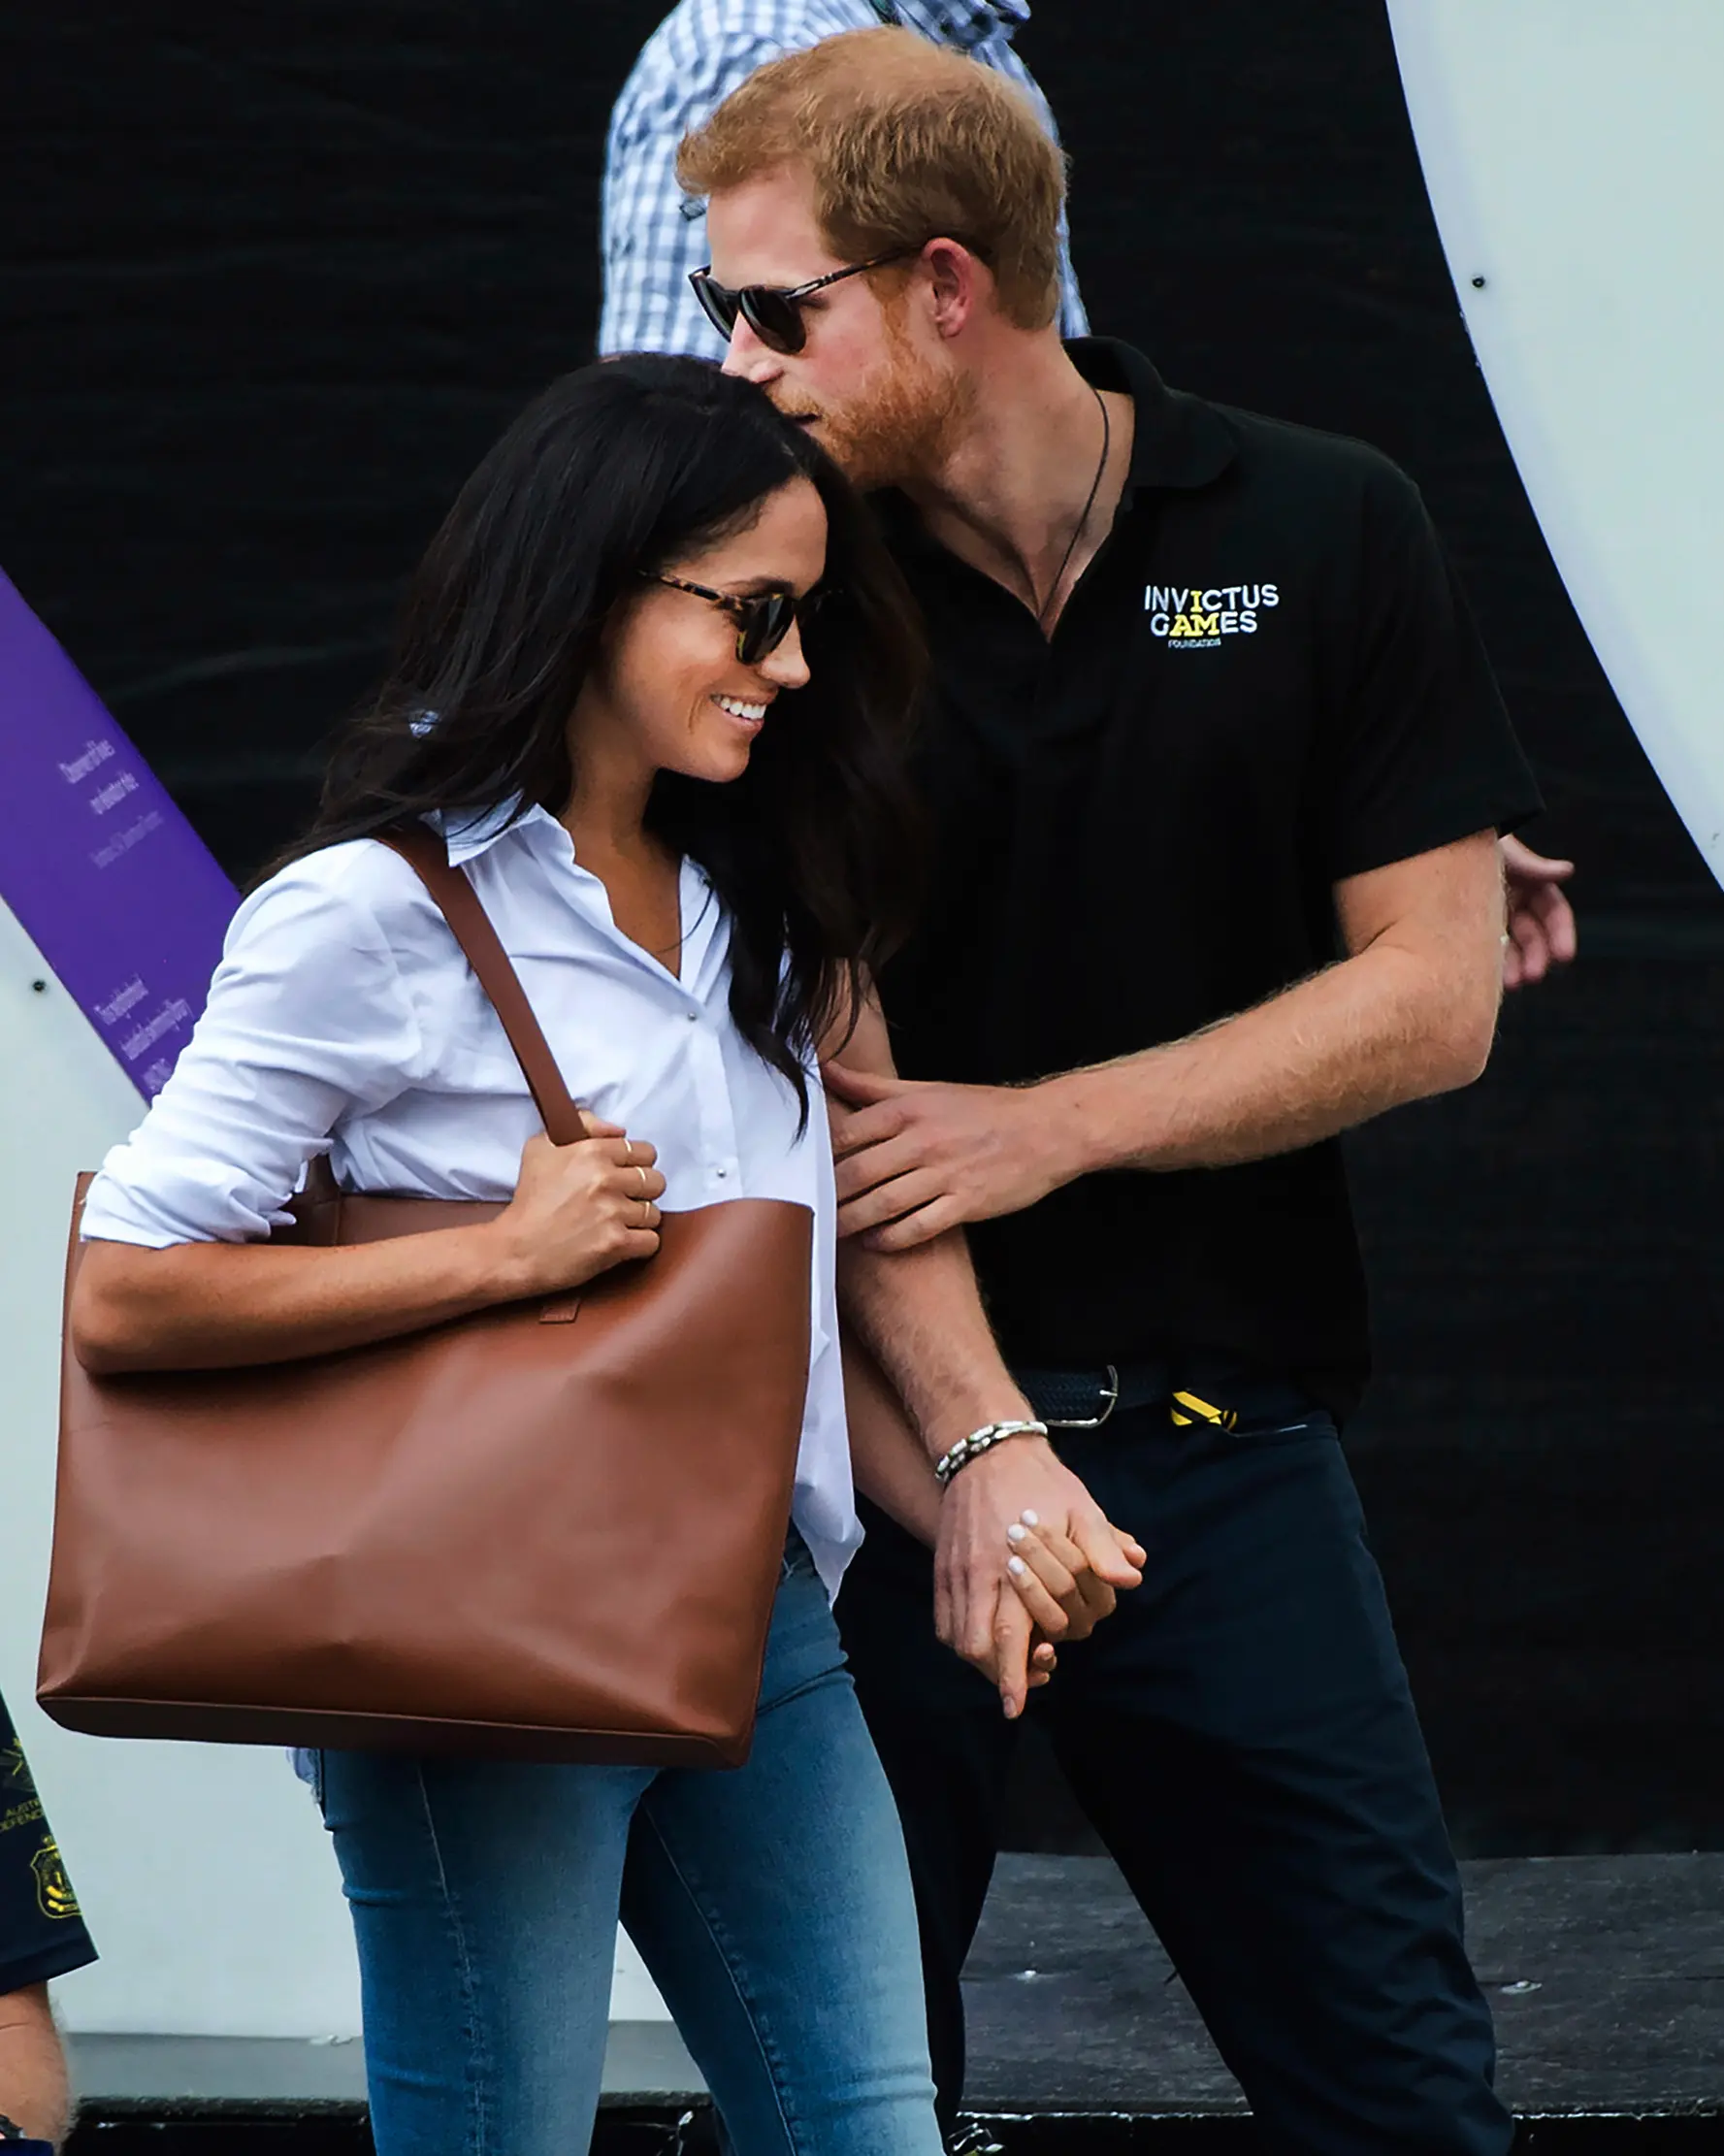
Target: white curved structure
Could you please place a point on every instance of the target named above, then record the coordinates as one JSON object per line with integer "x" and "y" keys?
{"x": 1574, "y": 152}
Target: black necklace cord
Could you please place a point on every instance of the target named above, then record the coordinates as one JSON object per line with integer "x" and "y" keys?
{"x": 1071, "y": 545}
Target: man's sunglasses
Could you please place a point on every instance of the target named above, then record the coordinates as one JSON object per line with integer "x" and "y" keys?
{"x": 763, "y": 620}
{"x": 774, "y": 312}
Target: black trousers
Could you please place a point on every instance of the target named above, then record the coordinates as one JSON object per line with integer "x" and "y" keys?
{"x": 1242, "y": 1736}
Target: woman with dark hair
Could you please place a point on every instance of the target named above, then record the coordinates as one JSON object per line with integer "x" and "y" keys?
{"x": 649, "y": 686}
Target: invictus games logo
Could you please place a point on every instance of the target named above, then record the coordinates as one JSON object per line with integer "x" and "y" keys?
{"x": 53, "y": 1889}
{"x": 1197, "y": 620}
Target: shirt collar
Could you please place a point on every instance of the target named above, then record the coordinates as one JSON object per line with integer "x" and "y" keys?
{"x": 469, "y": 833}
{"x": 963, "y": 23}
{"x": 1178, "y": 441}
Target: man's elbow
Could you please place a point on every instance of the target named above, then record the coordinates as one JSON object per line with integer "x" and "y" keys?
{"x": 1462, "y": 1032}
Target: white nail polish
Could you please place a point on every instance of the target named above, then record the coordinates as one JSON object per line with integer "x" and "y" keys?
{"x": 1032, "y": 1519}
{"x": 1016, "y": 1533}
{"x": 1015, "y": 1567}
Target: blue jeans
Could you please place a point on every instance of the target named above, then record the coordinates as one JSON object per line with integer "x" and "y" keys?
{"x": 772, "y": 1904}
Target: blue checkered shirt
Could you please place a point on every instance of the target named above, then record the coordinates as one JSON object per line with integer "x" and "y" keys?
{"x": 653, "y": 234}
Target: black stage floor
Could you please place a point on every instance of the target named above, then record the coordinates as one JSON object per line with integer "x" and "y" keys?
{"x": 1606, "y": 1973}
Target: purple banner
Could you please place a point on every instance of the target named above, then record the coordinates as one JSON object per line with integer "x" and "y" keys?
{"x": 112, "y": 884}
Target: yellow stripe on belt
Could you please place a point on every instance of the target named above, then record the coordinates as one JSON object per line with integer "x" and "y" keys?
{"x": 1201, "y": 1411}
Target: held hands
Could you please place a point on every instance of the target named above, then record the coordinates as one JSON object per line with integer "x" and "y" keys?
{"x": 915, "y": 1158}
{"x": 1074, "y": 1561}
{"x": 1065, "y": 1600}
{"x": 578, "y": 1210}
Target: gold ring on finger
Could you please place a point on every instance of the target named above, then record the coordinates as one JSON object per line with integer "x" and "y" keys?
{"x": 642, "y": 1172}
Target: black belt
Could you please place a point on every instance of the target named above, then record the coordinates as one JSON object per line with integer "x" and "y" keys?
{"x": 1086, "y": 1399}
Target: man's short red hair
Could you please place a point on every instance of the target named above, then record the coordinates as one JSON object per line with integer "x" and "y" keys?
{"x": 906, "y": 142}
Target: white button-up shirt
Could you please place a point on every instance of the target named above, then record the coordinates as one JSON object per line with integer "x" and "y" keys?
{"x": 343, "y": 1017}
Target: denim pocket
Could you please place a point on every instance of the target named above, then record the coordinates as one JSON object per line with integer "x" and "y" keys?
{"x": 797, "y": 1556}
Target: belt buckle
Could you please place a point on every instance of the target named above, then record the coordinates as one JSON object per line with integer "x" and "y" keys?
{"x": 1111, "y": 1398}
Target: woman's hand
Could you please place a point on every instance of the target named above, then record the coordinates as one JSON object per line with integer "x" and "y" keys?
{"x": 1542, "y": 932}
{"x": 1065, "y": 1599}
{"x": 578, "y": 1210}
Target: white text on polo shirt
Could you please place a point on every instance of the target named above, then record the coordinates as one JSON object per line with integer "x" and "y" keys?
{"x": 1197, "y": 619}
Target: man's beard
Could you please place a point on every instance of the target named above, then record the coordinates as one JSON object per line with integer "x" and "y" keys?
{"x": 904, "y": 424}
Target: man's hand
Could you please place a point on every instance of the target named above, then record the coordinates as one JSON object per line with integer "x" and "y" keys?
{"x": 915, "y": 1160}
{"x": 977, "y": 1609}
{"x": 1541, "y": 920}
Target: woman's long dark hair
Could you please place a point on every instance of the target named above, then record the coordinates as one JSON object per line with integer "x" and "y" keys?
{"x": 634, "y": 465}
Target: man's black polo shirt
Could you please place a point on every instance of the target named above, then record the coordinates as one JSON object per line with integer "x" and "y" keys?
{"x": 1265, "y": 682}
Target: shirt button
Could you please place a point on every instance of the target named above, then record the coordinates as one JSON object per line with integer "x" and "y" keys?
{"x": 722, "y": 1173}
{"x": 693, "y": 1017}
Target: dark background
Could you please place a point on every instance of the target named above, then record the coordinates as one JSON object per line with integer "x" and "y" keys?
{"x": 271, "y": 279}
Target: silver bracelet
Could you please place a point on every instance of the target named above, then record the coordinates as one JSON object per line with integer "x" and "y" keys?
{"x": 979, "y": 1442}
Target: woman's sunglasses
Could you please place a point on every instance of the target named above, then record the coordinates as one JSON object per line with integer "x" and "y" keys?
{"x": 774, "y": 312}
{"x": 763, "y": 620}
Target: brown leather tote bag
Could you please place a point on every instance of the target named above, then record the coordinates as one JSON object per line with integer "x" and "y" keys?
{"x": 552, "y": 1530}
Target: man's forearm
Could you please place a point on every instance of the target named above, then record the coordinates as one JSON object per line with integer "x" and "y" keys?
{"x": 920, "y": 1315}
{"x": 887, "y": 1459}
{"x": 33, "y": 2090}
{"x": 1329, "y": 1053}
{"x": 1411, "y": 1013}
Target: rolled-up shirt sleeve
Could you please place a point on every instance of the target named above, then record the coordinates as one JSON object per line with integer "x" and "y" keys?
{"x": 308, "y": 1020}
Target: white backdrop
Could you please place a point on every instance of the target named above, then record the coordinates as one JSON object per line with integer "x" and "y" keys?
{"x": 1574, "y": 152}
{"x": 203, "y": 1869}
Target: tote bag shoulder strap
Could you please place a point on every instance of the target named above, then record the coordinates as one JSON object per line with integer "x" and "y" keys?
{"x": 427, "y": 855}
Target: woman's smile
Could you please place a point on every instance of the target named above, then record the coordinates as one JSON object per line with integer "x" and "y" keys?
{"x": 752, "y": 716}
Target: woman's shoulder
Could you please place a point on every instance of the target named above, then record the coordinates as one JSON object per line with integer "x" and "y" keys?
{"x": 361, "y": 887}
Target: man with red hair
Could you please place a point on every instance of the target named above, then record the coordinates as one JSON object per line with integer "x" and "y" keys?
{"x": 1218, "y": 771}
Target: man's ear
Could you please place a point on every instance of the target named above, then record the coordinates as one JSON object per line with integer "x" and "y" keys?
{"x": 956, "y": 277}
